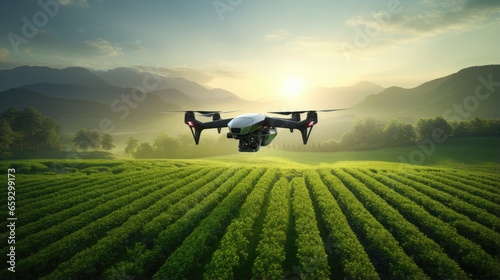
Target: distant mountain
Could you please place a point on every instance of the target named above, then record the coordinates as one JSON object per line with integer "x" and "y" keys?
{"x": 78, "y": 92}
{"x": 106, "y": 87}
{"x": 28, "y": 75}
{"x": 340, "y": 96}
{"x": 455, "y": 92}
{"x": 172, "y": 95}
{"x": 75, "y": 114}
{"x": 131, "y": 77}
{"x": 324, "y": 97}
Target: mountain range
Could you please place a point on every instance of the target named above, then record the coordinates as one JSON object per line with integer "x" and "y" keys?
{"x": 78, "y": 97}
{"x": 473, "y": 91}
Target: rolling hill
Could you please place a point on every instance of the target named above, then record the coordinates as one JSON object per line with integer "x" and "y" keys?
{"x": 455, "y": 93}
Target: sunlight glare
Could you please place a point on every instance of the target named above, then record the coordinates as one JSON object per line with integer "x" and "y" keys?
{"x": 292, "y": 87}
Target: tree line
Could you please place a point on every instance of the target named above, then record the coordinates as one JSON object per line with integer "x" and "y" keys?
{"x": 87, "y": 140}
{"x": 27, "y": 130}
{"x": 182, "y": 146}
{"x": 30, "y": 131}
{"x": 370, "y": 133}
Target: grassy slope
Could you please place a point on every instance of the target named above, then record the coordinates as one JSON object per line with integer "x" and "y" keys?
{"x": 478, "y": 153}
{"x": 482, "y": 153}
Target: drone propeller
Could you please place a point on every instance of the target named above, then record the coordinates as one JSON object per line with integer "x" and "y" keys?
{"x": 300, "y": 112}
{"x": 202, "y": 113}
{"x": 212, "y": 113}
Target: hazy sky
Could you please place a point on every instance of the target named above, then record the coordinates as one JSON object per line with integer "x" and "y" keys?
{"x": 257, "y": 48}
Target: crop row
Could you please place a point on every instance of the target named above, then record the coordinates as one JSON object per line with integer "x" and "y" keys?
{"x": 231, "y": 223}
{"x": 475, "y": 224}
{"x": 179, "y": 222}
{"x": 67, "y": 189}
{"x": 90, "y": 201}
{"x": 70, "y": 244}
{"x": 234, "y": 245}
{"x": 95, "y": 258}
{"x": 386, "y": 255}
{"x": 471, "y": 257}
{"x": 85, "y": 192}
{"x": 473, "y": 212}
{"x": 461, "y": 186}
{"x": 313, "y": 261}
{"x": 54, "y": 222}
{"x": 342, "y": 241}
{"x": 59, "y": 199}
{"x": 56, "y": 225}
{"x": 426, "y": 253}
{"x": 480, "y": 202}
{"x": 271, "y": 248}
{"x": 483, "y": 186}
{"x": 200, "y": 242}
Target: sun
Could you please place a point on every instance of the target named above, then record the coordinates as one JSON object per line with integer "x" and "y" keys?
{"x": 292, "y": 87}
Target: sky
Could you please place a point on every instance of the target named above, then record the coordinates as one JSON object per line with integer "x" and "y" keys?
{"x": 257, "y": 49}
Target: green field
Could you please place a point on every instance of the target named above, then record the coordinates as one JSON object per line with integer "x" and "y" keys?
{"x": 269, "y": 215}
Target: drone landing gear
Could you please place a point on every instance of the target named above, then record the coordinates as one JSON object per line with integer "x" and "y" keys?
{"x": 306, "y": 131}
{"x": 196, "y": 131}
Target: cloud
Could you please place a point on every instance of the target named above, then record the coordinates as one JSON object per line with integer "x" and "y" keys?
{"x": 315, "y": 46}
{"x": 431, "y": 19}
{"x": 4, "y": 55}
{"x": 277, "y": 34}
{"x": 136, "y": 46}
{"x": 103, "y": 47}
{"x": 199, "y": 75}
{"x": 81, "y": 3}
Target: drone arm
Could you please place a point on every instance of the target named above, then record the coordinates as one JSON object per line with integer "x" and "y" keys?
{"x": 197, "y": 127}
{"x": 304, "y": 126}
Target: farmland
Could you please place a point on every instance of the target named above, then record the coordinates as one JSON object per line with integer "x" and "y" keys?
{"x": 225, "y": 219}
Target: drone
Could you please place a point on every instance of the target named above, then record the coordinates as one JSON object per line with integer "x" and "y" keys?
{"x": 253, "y": 130}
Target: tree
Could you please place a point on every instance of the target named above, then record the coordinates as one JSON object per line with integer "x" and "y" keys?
{"x": 145, "y": 151}
{"x": 366, "y": 133}
{"x": 132, "y": 145}
{"x": 427, "y": 127}
{"x": 86, "y": 139}
{"x": 32, "y": 130}
{"x": 165, "y": 146}
{"x": 7, "y": 137}
{"x": 397, "y": 133}
{"x": 107, "y": 142}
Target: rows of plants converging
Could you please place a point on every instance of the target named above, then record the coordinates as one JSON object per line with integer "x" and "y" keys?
{"x": 214, "y": 222}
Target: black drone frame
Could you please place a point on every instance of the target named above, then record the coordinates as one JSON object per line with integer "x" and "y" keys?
{"x": 304, "y": 126}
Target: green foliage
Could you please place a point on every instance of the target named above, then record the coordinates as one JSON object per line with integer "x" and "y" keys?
{"x": 397, "y": 133}
{"x": 145, "y": 151}
{"x": 132, "y": 145}
{"x": 271, "y": 248}
{"x": 27, "y": 130}
{"x": 186, "y": 219}
{"x": 429, "y": 128}
{"x": 369, "y": 133}
{"x": 342, "y": 242}
{"x": 7, "y": 137}
{"x": 234, "y": 245}
{"x": 313, "y": 261}
{"x": 86, "y": 139}
{"x": 107, "y": 142}
{"x": 383, "y": 249}
{"x": 426, "y": 253}
{"x": 182, "y": 146}
{"x": 476, "y": 127}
